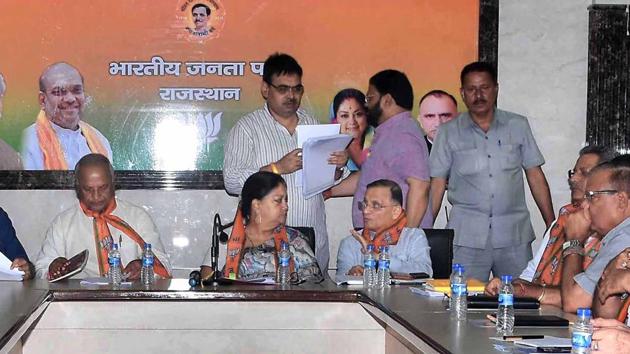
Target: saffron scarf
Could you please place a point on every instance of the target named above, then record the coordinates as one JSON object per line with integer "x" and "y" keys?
{"x": 54, "y": 158}
{"x": 623, "y": 314}
{"x": 236, "y": 245}
{"x": 103, "y": 237}
{"x": 388, "y": 236}
{"x": 549, "y": 270}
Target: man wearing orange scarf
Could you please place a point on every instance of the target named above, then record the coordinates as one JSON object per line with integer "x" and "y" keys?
{"x": 96, "y": 221}
{"x": 541, "y": 278}
{"x": 59, "y": 137}
{"x": 385, "y": 225}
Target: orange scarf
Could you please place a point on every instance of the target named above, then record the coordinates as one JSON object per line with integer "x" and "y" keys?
{"x": 236, "y": 245}
{"x": 549, "y": 270}
{"x": 104, "y": 240}
{"x": 54, "y": 158}
{"x": 623, "y": 314}
{"x": 387, "y": 236}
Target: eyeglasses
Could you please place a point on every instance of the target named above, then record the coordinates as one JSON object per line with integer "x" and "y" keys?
{"x": 284, "y": 89}
{"x": 589, "y": 195}
{"x": 570, "y": 173}
{"x": 375, "y": 206}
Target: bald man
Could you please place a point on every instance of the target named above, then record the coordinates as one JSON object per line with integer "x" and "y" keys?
{"x": 59, "y": 137}
{"x": 96, "y": 221}
{"x": 9, "y": 159}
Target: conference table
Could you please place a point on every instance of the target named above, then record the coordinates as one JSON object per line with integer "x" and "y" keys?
{"x": 171, "y": 317}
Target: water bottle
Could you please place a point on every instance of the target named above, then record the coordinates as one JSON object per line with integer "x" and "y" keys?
{"x": 369, "y": 268}
{"x": 459, "y": 292}
{"x": 284, "y": 269}
{"x": 382, "y": 275}
{"x": 505, "y": 314}
{"x": 582, "y": 332}
{"x": 147, "y": 276}
{"x": 115, "y": 273}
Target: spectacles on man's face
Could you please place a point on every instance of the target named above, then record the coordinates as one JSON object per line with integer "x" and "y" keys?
{"x": 284, "y": 89}
{"x": 589, "y": 195}
{"x": 374, "y": 206}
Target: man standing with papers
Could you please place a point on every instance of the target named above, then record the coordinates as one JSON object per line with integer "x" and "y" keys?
{"x": 266, "y": 140}
{"x": 398, "y": 152}
{"x": 11, "y": 247}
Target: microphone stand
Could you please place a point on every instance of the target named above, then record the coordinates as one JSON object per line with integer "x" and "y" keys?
{"x": 218, "y": 236}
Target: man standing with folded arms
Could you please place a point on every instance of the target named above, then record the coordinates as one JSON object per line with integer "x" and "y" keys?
{"x": 482, "y": 154}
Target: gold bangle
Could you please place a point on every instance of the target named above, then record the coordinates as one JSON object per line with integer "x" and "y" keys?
{"x": 274, "y": 168}
{"x": 542, "y": 295}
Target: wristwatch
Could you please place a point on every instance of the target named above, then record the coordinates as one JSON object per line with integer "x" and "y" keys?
{"x": 571, "y": 243}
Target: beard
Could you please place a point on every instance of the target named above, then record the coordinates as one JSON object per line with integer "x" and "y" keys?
{"x": 373, "y": 114}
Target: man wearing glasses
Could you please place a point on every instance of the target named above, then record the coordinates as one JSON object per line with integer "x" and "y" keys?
{"x": 265, "y": 140}
{"x": 398, "y": 151}
{"x": 605, "y": 210}
{"x": 483, "y": 153}
{"x": 541, "y": 278}
{"x": 385, "y": 225}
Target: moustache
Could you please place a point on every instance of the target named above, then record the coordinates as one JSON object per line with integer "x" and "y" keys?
{"x": 481, "y": 100}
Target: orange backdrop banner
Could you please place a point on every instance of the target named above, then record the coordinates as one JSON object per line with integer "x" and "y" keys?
{"x": 165, "y": 89}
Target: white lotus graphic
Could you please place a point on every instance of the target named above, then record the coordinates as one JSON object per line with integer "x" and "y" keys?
{"x": 211, "y": 125}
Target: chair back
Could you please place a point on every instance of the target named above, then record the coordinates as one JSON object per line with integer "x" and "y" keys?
{"x": 309, "y": 233}
{"x": 441, "y": 243}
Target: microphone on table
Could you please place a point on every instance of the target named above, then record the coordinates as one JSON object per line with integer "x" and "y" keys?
{"x": 218, "y": 236}
{"x": 194, "y": 278}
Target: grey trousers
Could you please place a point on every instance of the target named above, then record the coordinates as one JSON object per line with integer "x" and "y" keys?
{"x": 478, "y": 262}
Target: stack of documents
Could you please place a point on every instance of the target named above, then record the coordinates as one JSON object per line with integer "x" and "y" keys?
{"x": 444, "y": 286}
{"x": 6, "y": 273}
{"x": 317, "y": 143}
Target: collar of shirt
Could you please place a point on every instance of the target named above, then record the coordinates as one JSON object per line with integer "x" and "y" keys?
{"x": 616, "y": 231}
{"x": 393, "y": 121}
{"x": 61, "y": 131}
{"x": 300, "y": 115}
{"x": 468, "y": 122}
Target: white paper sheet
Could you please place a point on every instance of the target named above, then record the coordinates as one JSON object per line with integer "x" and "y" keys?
{"x": 348, "y": 280}
{"x": 305, "y": 132}
{"x": 6, "y": 273}
{"x": 318, "y": 175}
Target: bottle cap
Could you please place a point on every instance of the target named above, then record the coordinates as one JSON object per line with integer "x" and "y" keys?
{"x": 114, "y": 246}
{"x": 584, "y": 312}
{"x": 370, "y": 247}
{"x": 456, "y": 266}
{"x": 506, "y": 279}
{"x": 147, "y": 245}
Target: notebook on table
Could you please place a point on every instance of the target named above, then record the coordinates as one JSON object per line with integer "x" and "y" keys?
{"x": 492, "y": 302}
{"x": 74, "y": 265}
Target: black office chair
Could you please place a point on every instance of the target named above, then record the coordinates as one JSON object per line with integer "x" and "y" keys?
{"x": 309, "y": 232}
{"x": 441, "y": 243}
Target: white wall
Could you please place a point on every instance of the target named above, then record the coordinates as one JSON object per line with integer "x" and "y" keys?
{"x": 542, "y": 74}
{"x": 543, "y": 47}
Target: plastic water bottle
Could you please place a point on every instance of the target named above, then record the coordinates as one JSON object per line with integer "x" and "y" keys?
{"x": 459, "y": 292}
{"x": 382, "y": 275}
{"x": 147, "y": 276}
{"x": 505, "y": 314}
{"x": 284, "y": 269}
{"x": 582, "y": 332}
{"x": 115, "y": 273}
{"x": 369, "y": 268}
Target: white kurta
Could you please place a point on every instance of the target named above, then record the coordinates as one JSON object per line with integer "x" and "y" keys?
{"x": 72, "y": 231}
